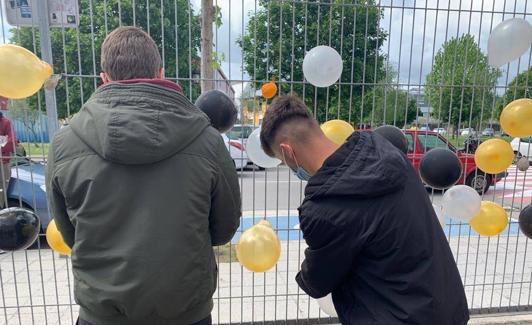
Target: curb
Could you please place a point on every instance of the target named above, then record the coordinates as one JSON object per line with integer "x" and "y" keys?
{"x": 511, "y": 319}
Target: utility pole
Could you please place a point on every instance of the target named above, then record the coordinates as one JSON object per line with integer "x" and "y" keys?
{"x": 46, "y": 53}
{"x": 207, "y": 73}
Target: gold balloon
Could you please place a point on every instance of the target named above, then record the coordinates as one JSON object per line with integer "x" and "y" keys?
{"x": 494, "y": 156}
{"x": 259, "y": 248}
{"x": 22, "y": 72}
{"x": 516, "y": 118}
{"x": 337, "y": 130}
{"x": 55, "y": 240}
{"x": 491, "y": 220}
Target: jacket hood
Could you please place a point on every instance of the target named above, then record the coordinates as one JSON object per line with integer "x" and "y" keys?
{"x": 367, "y": 165}
{"x": 138, "y": 123}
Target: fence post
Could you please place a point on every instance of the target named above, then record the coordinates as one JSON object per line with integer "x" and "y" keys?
{"x": 46, "y": 53}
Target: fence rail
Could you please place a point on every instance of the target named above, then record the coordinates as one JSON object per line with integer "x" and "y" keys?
{"x": 403, "y": 60}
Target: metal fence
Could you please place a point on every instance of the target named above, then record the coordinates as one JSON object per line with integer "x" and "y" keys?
{"x": 409, "y": 63}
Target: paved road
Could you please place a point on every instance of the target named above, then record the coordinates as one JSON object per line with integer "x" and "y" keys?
{"x": 277, "y": 192}
{"x": 277, "y": 189}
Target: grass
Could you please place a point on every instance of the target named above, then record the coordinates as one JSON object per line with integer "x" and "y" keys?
{"x": 459, "y": 140}
{"x": 36, "y": 149}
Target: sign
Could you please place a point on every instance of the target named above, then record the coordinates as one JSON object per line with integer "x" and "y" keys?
{"x": 62, "y": 13}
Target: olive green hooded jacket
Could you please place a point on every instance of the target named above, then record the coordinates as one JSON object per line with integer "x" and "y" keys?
{"x": 141, "y": 187}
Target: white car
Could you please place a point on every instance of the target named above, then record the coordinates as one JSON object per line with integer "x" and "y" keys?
{"x": 522, "y": 147}
{"x": 237, "y": 152}
{"x": 441, "y": 131}
{"x": 468, "y": 131}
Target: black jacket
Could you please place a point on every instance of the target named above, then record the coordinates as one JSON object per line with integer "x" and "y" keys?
{"x": 375, "y": 241}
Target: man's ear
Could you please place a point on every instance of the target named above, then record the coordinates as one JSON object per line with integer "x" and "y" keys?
{"x": 161, "y": 74}
{"x": 105, "y": 78}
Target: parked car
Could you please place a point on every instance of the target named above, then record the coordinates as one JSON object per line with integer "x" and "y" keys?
{"x": 240, "y": 133}
{"x": 441, "y": 131}
{"x": 237, "y": 152}
{"x": 488, "y": 132}
{"x": 421, "y": 142}
{"x": 468, "y": 131}
{"x": 522, "y": 148}
{"x": 424, "y": 128}
{"x": 27, "y": 188}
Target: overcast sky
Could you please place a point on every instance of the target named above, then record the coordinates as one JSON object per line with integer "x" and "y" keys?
{"x": 431, "y": 29}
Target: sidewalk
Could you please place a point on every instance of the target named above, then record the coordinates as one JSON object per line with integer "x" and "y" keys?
{"x": 497, "y": 273}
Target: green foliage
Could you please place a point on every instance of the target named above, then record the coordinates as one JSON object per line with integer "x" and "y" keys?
{"x": 280, "y": 32}
{"x": 391, "y": 106}
{"x": 461, "y": 81}
{"x": 519, "y": 87}
{"x": 174, "y": 27}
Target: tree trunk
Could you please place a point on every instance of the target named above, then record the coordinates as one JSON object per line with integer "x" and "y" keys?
{"x": 207, "y": 14}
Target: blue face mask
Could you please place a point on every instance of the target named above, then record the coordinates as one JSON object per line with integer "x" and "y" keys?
{"x": 300, "y": 172}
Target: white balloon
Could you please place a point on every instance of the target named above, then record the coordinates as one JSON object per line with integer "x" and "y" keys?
{"x": 322, "y": 66}
{"x": 256, "y": 154}
{"x": 461, "y": 202}
{"x": 523, "y": 164}
{"x": 508, "y": 41}
{"x": 326, "y": 304}
{"x": 439, "y": 213}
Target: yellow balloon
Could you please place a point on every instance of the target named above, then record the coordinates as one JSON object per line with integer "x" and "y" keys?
{"x": 55, "y": 240}
{"x": 491, "y": 220}
{"x": 337, "y": 130}
{"x": 494, "y": 156}
{"x": 516, "y": 118}
{"x": 259, "y": 248}
{"x": 22, "y": 72}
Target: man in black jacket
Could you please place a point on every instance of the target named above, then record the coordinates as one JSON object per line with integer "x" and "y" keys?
{"x": 373, "y": 238}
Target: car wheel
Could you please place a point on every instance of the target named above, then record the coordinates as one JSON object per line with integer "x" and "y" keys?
{"x": 479, "y": 181}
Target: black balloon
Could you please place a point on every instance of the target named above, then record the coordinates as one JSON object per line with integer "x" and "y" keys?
{"x": 525, "y": 221}
{"x": 220, "y": 109}
{"x": 440, "y": 168}
{"x": 19, "y": 229}
{"x": 394, "y": 135}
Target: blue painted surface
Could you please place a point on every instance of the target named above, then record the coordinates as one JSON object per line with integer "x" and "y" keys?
{"x": 287, "y": 228}
{"x": 25, "y": 135}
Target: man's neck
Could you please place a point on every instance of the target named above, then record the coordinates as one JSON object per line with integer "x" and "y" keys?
{"x": 323, "y": 149}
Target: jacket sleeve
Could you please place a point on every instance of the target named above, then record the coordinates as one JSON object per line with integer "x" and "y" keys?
{"x": 56, "y": 201}
{"x": 225, "y": 200}
{"x": 330, "y": 256}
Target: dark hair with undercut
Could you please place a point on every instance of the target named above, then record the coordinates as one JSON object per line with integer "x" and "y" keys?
{"x": 130, "y": 53}
{"x": 282, "y": 110}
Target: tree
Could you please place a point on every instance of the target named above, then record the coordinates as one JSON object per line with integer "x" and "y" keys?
{"x": 519, "y": 87}
{"x": 391, "y": 105}
{"x": 461, "y": 82}
{"x": 280, "y": 32}
{"x": 76, "y": 52}
{"x": 30, "y": 118}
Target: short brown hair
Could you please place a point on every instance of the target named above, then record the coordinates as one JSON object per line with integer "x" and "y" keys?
{"x": 130, "y": 53}
{"x": 282, "y": 110}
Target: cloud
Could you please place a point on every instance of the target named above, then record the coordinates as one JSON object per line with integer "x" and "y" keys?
{"x": 421, "y": 31}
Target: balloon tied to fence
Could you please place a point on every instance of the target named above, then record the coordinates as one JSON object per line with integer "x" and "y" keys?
{"x": 23, "y": 73}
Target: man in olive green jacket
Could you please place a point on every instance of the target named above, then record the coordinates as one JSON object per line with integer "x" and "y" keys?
{"x": 141, "y": 187}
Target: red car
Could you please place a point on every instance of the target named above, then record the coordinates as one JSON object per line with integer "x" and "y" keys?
{"x": 420, "y": 142}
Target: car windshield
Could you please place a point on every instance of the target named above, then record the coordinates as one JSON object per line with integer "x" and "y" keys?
{"x": 239, "y": 132}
